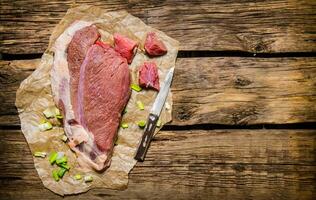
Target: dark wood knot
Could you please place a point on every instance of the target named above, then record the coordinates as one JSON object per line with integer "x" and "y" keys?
{"x": 241, "y": 81}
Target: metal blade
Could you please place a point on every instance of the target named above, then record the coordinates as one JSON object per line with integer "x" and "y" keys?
{"x": 163, "y": 93}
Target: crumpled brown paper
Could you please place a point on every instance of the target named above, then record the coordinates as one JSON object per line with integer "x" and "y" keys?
{"x": 34, "y": 96}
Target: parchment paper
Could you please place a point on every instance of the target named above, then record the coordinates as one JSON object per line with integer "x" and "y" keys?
{"x": 34, "y": 96}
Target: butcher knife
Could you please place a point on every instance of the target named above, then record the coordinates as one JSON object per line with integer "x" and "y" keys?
{"x": 153, "y": 117}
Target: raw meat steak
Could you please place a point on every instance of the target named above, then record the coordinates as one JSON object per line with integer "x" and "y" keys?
{"x": 91, "y": 85}
{"x": 148, "y": 76}
{"x": 125, "y": 46}
{"x": 154, "y": 46}
{"x": 77, "y": 49}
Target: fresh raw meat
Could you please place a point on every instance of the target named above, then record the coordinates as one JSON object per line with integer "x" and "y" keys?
{"x": 154, "y": 46}
{"x": 77, "y": 49}
{"x": 125, "y": 46}
{"x": 148, "y": 76}
{"x": 91, "y": 85}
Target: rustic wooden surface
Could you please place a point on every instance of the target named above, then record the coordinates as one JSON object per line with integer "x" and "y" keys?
{"x": 189, "y": 160}
{"x": 243, "y": 164}
{"x": 254, "y": 26}
{"x": 218, "y": 90}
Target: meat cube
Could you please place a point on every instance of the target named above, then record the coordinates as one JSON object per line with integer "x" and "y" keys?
{"x": 125, "y": 46}
{"x": 154, "y": 46}
{"x": 148, "y": 76}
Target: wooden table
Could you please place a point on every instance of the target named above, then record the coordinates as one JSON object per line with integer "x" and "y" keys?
{"x": 244, "y": 100}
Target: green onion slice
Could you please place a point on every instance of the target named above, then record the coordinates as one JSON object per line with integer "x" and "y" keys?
{"x": 52, "y": 157}
{"x": 64, "y": 138}
{"x": 135, "y": 87}
{"x": 61, "y": 172}
{"x": 140, "y": 105}
{"x": 61, "y": 160}
{"x": 51, "y": 112}
{"x": 45, "y": 126}
{"x": 158, "y": 123}
{"x": 55, "y": 175}
{"x": 40, "y": 154}
{"x": 124, "y": 125}
{"x": 78, "y": 177}
{"x": 64, "y": 165}
{"x": 141, "y": 123}
{"x": 88, "y": 178}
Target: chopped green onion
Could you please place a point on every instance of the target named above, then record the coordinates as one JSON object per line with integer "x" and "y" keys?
{"x": 60, "y": 155}
{"x": 64, "y": 138}
{"x": 56, "y": 111}
{"x": 42, "y": 121}
{"x": 45, "y": 126}
{"x": 40, "y": 154}
{"x": 48, "y": 113}
{"x": 61, "y": 172}
{"x": 158, "y": 123}
{"x": 59, "y": 116}
{"x": 87, "y": 178}
{"x": 53, "y": 157}
{"x": 124, "y": 125}
{"x": 140, "y": 105}
{"x": 61, "y": 160}
{"x": 51, "y": 112}
{"x": 64, "y": 165}
{"x": 55, "y": 175}
{"x": 136, "y": 87}
{"x": 141, "y": 123}
{"x": 78, "y": 177}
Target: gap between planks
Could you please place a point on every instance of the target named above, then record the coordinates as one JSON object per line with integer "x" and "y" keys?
{"x": 188, "y": 54}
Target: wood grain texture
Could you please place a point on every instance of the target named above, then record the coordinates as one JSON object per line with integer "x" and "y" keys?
{"x": 228, "y": 90}
{"x": 218, "y": 25}
{"x": 229, "y": 164}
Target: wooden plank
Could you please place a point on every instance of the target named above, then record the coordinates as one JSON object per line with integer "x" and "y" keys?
{"x": 229, "y": 164}
{"x": 219, "y": 25}
{"x": 228, "y": 90}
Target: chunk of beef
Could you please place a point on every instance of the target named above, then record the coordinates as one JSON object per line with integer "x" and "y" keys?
{"x": 154, "y": 46}
{"x": 148, "y": 76}
{"x": 125, "y": 46}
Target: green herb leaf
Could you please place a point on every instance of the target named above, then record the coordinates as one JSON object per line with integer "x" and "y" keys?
{"x": 135, "y": 87}
{"x": 141, "y": 123}
{"x": 140, "y": 105}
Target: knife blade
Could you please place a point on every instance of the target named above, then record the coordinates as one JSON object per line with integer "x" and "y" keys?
{"x": 153, "y": 117}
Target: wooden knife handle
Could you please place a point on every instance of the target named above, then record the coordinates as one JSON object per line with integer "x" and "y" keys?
{"x": 148, "y": 134}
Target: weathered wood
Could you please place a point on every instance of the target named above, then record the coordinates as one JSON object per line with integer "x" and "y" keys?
{"x": 229, "y": 164}
{"x": 260, "y": 26}
{"x": 215, "y": 90}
